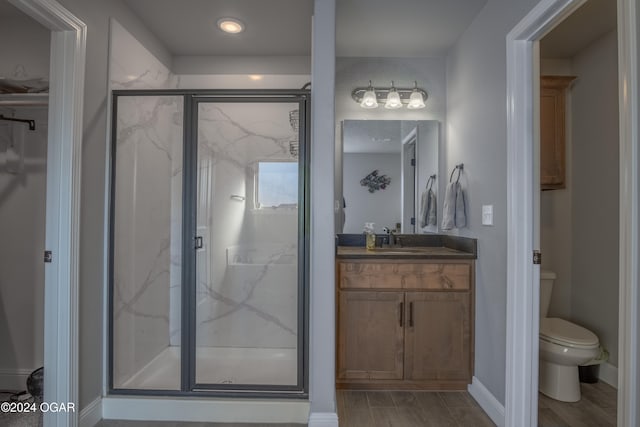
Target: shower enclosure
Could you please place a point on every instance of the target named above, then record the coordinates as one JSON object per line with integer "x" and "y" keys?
{"x": 209, "y": 245}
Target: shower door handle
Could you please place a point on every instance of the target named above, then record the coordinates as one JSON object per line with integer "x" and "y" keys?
{"x": 199, "y": 244}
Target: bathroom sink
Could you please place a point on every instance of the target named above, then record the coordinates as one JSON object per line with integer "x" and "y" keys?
{"x": 400, "y": 251}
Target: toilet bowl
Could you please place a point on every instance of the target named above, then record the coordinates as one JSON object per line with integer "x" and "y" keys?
{"x": 563, "y": 346}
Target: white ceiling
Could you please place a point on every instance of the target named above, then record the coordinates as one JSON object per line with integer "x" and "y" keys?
{"x": 188, "y": 27}
{"x": 401, "y": 28}
{"x": 375, "y": 28}
{"x": 591, "y": 21}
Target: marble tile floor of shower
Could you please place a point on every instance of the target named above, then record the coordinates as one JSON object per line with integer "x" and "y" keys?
{"x": 220, "y": 365}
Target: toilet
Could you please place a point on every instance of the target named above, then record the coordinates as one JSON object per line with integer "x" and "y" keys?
{"x": 563, "y": 346}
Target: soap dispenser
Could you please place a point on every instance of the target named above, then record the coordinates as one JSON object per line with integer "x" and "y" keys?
{"x": 370, "y": 236}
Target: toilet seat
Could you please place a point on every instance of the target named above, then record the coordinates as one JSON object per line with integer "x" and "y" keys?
{"x": 564, "y": 333}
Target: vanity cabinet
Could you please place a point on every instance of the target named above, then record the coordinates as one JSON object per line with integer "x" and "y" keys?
{"x": 552, "y": 131}
{"x": 405, "y": 324}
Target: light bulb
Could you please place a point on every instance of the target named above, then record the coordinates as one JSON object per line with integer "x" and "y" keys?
{"x": 416, "y": 101}
{"x": 369, "y": 99}
{"x": 230, "y": 25}
{"x": 393, "y": 99}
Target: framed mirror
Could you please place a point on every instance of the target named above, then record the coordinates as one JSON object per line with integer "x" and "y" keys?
{"x": 386, "y": 165}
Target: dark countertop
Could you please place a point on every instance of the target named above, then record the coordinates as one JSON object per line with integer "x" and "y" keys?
{"x": 426, "y": 252}
{"x": 414, "y": 246}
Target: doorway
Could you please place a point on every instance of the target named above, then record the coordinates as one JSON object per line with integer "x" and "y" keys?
{"x": 523, "y": 276}
{"x": 208, "y": 247}
{"x": 62, "y": 224}
{"x": 579, "y": 157}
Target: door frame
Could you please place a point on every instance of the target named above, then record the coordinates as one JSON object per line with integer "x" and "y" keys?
{"x": 64, "y": 156}
{"x": 190, "y": 99}
{"x": 410, "y": 140}
{"x": 521, "y": 388}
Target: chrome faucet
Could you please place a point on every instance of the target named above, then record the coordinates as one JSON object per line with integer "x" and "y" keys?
{"x": 395, "y": 241}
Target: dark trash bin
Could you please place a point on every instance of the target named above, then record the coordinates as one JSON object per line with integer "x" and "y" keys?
{"x": 589, "y": 373}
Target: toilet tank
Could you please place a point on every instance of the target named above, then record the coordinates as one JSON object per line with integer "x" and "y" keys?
{"x": 546, "y": 286}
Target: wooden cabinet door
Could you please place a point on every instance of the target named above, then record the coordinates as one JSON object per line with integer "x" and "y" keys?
{"x": 438, "y": 336}
{"x": 552, "y": 131}
{"x": 370, "y": 331}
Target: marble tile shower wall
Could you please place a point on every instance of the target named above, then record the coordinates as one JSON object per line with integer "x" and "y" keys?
{"x": 146, "y": 239}
{"x": 148, "y": 201}
{"x": 247, "y": 279}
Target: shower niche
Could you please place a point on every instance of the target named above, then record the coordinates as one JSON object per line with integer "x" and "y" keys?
{"x": 208, "y": 250}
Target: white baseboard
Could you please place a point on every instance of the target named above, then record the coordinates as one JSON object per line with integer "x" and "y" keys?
{"x": 608, "y": 374}
{"x": 205, "y": 410}
{"x": 487, "y": 401}
{"x": 323, "y": 419}
{"x": 14, "y": 379}
{"x": 91, "y": 414}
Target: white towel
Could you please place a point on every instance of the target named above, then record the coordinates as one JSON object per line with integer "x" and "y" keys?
{"x": 453, "y": 210}
{"x": 428, "y": 215}
{"x": 461, "y": 214}
{"x": 432, "y": 212}
{"x": 424, "y": 208}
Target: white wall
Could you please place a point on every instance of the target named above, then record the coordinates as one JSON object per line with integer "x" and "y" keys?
{"x": 476, "y": 135}
{"x": 382, "y": 207}
{"x": 25, "y": 48}
{"x": 356, "y": 72}
{"x": 595, "y": 201}
{"x": 22, "y": 221}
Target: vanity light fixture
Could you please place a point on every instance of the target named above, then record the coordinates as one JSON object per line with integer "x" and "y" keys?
{"x": 391, "y": 98}
{"x": 230, "y": 25}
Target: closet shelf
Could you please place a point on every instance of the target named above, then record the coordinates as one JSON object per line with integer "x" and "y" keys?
{"x": 24, "y": 99}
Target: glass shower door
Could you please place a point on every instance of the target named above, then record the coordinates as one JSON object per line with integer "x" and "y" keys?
{"x": 249, "y": 218}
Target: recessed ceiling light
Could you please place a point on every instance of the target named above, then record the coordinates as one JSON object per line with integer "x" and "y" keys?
{"x": 230, "y": 25}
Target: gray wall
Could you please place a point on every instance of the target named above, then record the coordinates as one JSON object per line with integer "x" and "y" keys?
{"x": 477, "y": 136}
{"x": 356, "y": 72}
{"x": 595, "y": 201}
{"x": 383, "y": 207}
{"x": 94, "y": 159}
{"x": 25, "y": 43}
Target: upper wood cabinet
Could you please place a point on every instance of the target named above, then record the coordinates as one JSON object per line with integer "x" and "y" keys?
{"x": 553, "y": 131}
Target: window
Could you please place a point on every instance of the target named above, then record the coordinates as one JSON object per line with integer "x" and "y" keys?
{"x": 277, "y": 184}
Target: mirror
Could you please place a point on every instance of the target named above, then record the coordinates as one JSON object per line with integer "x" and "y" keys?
{"x": 385, "y": 168}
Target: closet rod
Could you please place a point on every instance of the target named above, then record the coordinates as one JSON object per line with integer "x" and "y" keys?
{"x": 31, "y": 123}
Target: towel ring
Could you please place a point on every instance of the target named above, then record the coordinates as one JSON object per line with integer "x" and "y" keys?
{"x": 459, "y": 168}
{"x": 430, "y": 181}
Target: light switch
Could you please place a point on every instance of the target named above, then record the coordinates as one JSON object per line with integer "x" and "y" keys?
{"x": 487, "y": 214}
